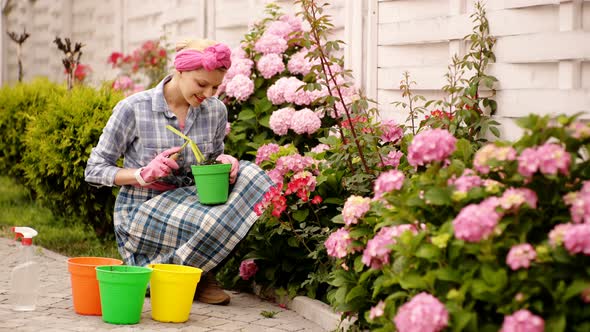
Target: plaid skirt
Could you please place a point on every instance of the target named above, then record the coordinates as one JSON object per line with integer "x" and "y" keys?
{"x": 173, "y": 227}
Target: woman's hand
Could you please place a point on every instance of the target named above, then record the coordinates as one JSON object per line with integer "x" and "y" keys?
{"x": 235, "y": 166}
{"x": 161, "y": 166}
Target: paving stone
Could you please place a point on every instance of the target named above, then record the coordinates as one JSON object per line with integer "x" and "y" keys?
{"x": 55, "y": 308}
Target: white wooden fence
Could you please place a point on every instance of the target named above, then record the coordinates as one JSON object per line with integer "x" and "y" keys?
{"x": 543, "y": 46}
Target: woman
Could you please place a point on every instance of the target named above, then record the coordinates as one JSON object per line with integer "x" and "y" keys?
{"x": 158, "y": 218}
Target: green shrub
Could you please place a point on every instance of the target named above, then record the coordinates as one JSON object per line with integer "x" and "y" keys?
{"x": 58, "y": 143}
{"x": 18, "y": 105}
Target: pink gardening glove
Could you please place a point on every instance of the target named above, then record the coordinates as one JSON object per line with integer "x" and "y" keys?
{"x": 235, "y": 166}
{"x": 160, "y": 166}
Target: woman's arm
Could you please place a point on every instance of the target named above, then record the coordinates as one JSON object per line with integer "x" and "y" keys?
{"x": 102, "y": 169}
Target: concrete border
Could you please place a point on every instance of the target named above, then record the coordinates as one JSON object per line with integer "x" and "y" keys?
{"x": 319, "y": 313}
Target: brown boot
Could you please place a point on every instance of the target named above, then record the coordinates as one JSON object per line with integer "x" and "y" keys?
{"x": 208, "y": 291}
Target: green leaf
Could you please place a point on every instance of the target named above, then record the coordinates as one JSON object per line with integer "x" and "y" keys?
{"x": 556, "y": 323}
{"x": 412, "y": 281}
{"x": 438, "y": 196}
{"x": 358, "y": 264}
{"x": 293, "y": 242}
{"x": 461, "y": 319}
{"x": 575, "y": 288}
{"x": 448, "y": 274}
{"x": 360, "y": 232}
{"x": 357, "y": 291}
{"x": 246, "y": 114}
{"x": 495, "y": 131}
{"x": 265, "y": 121}
{"x": 428, "y": 252}
{"x": 301, "y": 215}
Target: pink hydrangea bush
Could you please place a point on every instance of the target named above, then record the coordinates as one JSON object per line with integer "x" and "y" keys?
{"x": 499, "y": 235}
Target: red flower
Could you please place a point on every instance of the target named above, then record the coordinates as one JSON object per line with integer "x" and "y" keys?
{"x": 114, "y": 58}
{"x": 148, "y": 45}
{"x": 81, "y": 72}
{"x": 317, "y": 199}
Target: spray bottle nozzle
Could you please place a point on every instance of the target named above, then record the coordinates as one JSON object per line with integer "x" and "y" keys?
{"x": 26, "y": 233}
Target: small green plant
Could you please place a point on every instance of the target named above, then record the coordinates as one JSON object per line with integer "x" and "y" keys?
{"x": 198, "y": 154}
{"x": 268, "y": 314}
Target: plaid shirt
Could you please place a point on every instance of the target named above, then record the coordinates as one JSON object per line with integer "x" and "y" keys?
{"x": 137, "y": 131}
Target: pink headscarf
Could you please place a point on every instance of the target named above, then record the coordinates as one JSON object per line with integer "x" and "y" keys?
{"x": 211, "y": 58}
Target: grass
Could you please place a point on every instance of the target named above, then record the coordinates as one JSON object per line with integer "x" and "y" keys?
{"x": 18, "y": 209}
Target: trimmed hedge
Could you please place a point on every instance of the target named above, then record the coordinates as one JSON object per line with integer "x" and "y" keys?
{"x": 48, "y": 134}
{"x": 18, "y": 105}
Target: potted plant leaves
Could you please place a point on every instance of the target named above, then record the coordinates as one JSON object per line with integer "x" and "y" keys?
{"x": 211, "y": 177}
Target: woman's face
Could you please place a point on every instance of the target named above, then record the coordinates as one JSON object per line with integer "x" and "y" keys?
{"x": 198, "y": 85}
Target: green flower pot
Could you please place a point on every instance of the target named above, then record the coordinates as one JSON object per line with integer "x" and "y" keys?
{"x": 212, "y": 182}
{"x": 122, "y": 292}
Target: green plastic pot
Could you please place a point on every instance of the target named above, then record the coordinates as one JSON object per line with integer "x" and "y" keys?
{"x": 212, "y": 182}
{"x": 122, "y": 292}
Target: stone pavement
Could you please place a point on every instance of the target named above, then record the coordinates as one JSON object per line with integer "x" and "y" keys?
{"x": 55, "y": 310}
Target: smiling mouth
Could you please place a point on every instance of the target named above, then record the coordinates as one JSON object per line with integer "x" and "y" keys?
{"x": 199, "y": 99}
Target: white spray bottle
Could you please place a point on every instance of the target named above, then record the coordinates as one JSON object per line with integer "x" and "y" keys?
{"x": 25, "y": 275}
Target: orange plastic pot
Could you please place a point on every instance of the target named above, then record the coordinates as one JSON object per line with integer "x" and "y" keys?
{"x": 85, "y": 291}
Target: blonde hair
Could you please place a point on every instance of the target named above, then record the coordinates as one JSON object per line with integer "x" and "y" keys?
{"x": 194, "y": 44}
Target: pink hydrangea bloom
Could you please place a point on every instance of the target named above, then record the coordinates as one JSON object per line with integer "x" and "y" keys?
{"x": 523, "y": 321}
{"x": 337, "y": 243}
{"x": 305, "y": 121}
{"x": 393, "y": 158}
{"x": 279, "y": 28}
{"x": 227, "y": 128}
{"x": 378, "y": 249}
{"x": 240, "y": 87}
{"x": 292, "y": 92}
{"x": 579, "y": 130}
{"x": 492, "y": 152}
{"x": 387, "y": 182}
{"x": 276, "y": 176}
{"x": 238, "y": 53}
{"x": 123, "y": 83}
{"x": 528, "y": 162}
{"x": 423, "y": 313}
{"x": 299, "y": 64}
{"x": 280, "y": 120}
{"x": 239, "y": 66}
{"x": 557, "y": 234}
{"x": 466, "y": 181}
{"x": 378, "y": 310}
{"x": 431, "y": 145}
{"x": 264, "y": 152}
{"x": 355, "y": 207}
{"x": 248, "y": 269}
{"x": 275, "y": 92}
{"x": 520, "y": 256}
{"x": 391, "y": 131}
{"x": 476, "y": 221}
{"x": 285, "y": 89}
{"x": 577, "y": 239}
{"x": 320, "y": 148}
{"x": 270, "y": 64}
{"x": 269, "y": 43}
{"x": 294, "y": 163}
{"x": 293, "y": 21}
{"x": 553, "y": 158}
{"x": 513, "y": 198}
{"x": 579, "y": 203}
